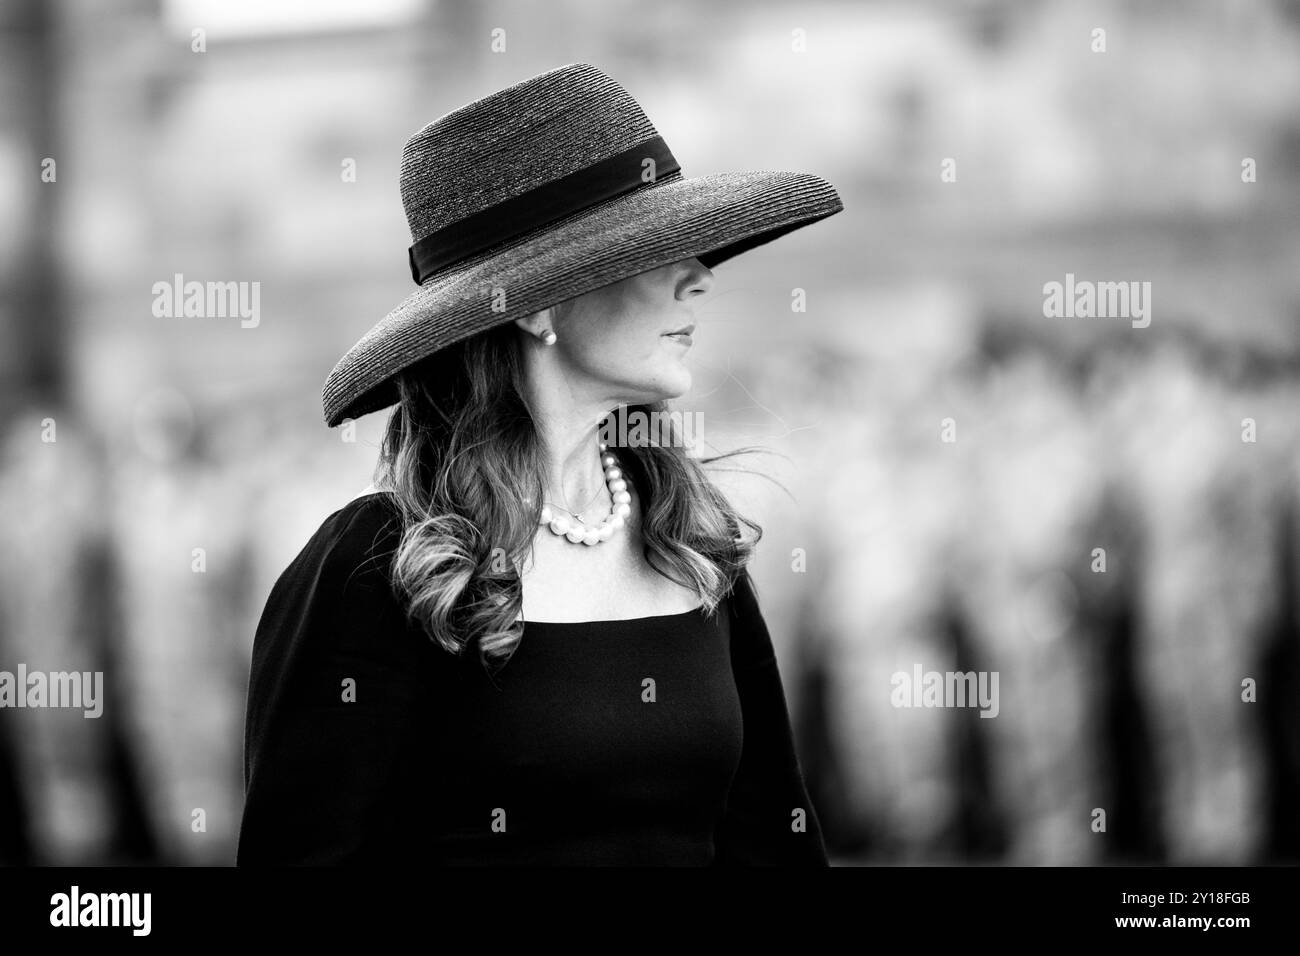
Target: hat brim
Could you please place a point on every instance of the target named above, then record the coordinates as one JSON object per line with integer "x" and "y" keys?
{"x": 711, "y": 217}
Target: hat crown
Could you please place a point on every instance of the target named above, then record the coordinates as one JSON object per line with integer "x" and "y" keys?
{"x": 514, "y": 141}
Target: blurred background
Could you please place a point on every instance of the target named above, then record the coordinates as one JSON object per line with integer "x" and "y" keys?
{"x": 953, "y": 468}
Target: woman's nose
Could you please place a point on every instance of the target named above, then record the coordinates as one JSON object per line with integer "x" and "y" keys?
{"x": 698, "y": 278}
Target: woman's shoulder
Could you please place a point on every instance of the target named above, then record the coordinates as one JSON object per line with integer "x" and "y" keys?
{"x": 370, "y": 509}
{"x": 751, "y": 641}
{"x": 741, "y": 593}
{"x": 348, "y": 549}
{"x": 362, "y": 528}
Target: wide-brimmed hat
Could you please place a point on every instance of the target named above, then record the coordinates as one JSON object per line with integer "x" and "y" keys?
{"x": 539, "y": 193}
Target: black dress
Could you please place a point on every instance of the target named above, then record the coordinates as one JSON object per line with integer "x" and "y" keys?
{"x": 652, "y": 741}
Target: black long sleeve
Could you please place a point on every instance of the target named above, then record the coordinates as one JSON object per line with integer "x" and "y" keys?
{"x": 768, "y": 792}
{"x": 319, "y": 768}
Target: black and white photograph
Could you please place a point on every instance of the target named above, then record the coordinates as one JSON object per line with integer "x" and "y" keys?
{"x": 452, "y": 437}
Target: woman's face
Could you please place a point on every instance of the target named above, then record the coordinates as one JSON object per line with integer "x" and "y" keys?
{"x": 627, "y": 342}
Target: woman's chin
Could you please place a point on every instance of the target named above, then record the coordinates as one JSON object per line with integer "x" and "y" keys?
{"x": 675, "y": 384}
{"x": 667, "y": 384}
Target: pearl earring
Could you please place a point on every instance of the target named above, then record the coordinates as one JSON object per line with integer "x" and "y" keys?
{"x": 548, "y": 337}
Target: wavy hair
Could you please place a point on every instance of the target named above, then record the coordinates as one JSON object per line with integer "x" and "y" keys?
{"x": 462, "y": 458}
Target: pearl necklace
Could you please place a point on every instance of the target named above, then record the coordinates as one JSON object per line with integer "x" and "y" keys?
{"x": 575, "y": 530}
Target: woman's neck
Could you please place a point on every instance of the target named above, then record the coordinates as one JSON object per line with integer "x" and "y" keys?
{"x": 573, "y": 477}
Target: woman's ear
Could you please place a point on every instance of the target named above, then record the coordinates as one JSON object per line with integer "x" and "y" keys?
{"x": 538, "y": 322}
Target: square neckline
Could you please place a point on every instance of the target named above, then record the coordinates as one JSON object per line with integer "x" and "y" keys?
{"x": 698, "y": 609}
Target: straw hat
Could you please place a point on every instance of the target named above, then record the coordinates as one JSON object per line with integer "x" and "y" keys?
{"x": 539, "y": 193}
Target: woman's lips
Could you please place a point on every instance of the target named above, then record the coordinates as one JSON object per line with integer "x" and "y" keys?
{"x": 682, "y": 335}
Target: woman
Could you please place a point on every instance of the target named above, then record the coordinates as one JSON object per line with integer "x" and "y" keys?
{"x": 535, "y": 642}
